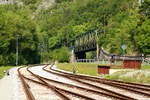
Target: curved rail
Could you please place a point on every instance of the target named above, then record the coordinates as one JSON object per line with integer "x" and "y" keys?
{"x": 134, "y": 85}
{"x": 29, "y": 93}
{"x": 119, "y": 84}
{"x": 61, "y": 92}
{"x": 58, "y": 89}
{"x": 106, "y": 91}
{"x": 25, "y": 86}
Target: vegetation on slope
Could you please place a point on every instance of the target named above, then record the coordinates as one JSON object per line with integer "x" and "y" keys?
{"x": 16, "y": 24}
{"x": 42, "y": 34}
{"x": 124, "y": 22}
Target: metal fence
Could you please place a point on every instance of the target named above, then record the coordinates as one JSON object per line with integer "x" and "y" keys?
{"x": 145, "y": 62}
{"x": 115, "y": 59}
{"x": 99, "y": 61}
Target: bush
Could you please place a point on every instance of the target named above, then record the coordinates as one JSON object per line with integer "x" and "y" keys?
{"x": 62, "y": 54}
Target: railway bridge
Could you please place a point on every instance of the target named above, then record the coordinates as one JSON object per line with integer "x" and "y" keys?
{"x": 89, "y": 42}
{"x": 85, "y": 43}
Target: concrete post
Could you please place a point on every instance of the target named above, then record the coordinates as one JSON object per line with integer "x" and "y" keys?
{"x": 97, "y": 46}
{"x": 72, "y": 58}
{"x": 97, "y": 51}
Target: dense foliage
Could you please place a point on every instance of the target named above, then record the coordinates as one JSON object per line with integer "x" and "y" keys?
{"x": 15, "y": 23}
{"x": 43, "y": 32}
{"x": 124, "y": 23}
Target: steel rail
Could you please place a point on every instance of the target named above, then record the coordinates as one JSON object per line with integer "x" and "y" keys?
{"x": 133, "y": 85}
{"x": 78, "y": 87}
{"x": 108, "y": 83}
{"x": 49, "y": 86}
{"x": 66, "y": 91}
{"x": 28, "y": 93}
{"x": 57, "y": 88}
{"x": 107, "y": 91}
{"x": 128, "y": 84}
{"x": 56, "y": 91}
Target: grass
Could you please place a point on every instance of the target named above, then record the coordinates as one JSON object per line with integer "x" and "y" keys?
{"x": 86, "y": 68}
{"x": 145, "y": 67}
{"x": 2, "y": 69}
{"x": 82, "y": 68}
{"x": 136, "y": 75}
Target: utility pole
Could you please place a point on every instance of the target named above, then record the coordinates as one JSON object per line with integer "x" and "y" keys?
{"x": 17, "y": 51}
{"x": 97, "y": 45}
{"x": 140, "y": 2}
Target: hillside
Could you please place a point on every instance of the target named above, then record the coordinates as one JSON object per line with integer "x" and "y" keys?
{"x": 43, "y": 27}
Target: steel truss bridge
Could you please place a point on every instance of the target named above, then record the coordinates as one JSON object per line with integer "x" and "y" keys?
{"x": 89, "y": 42}
{"x": 85, "y": 42}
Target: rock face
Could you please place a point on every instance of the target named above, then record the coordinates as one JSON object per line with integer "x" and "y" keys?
{"x": 45, "y": 4}
{"x": 7, "y": 1}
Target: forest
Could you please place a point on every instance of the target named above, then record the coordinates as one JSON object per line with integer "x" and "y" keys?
{"x": 41, "y": 31}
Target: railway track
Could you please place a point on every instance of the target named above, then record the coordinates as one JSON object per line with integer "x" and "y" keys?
{"x": 97, "y": 79}
{"x": 30, "y": 83}
{"x": 108, "y": 91}
{"x": 140, "y": 89}
{"x": 102, "y": 80}
{"x": 101, "y": 92}
{"x": 29, "y": 94}
{"x": 77, "y": 94}
{"x": 132, "y": 87}
{"x": 61, "y": 92}
{"x": 88, "y": 88}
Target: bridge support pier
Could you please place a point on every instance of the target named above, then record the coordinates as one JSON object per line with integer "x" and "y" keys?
{"x": 72, "y": 58}
{"x": 80, "y": 55}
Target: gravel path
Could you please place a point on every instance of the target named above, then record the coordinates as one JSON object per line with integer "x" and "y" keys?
{"x": 5, "y": 88}
{"x": 11, "y": 88}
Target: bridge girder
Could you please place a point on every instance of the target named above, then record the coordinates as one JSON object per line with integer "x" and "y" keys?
{"x": 85, "y": 42}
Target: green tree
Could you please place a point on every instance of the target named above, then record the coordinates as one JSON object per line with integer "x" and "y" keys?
{"x": 17, "y": 25}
